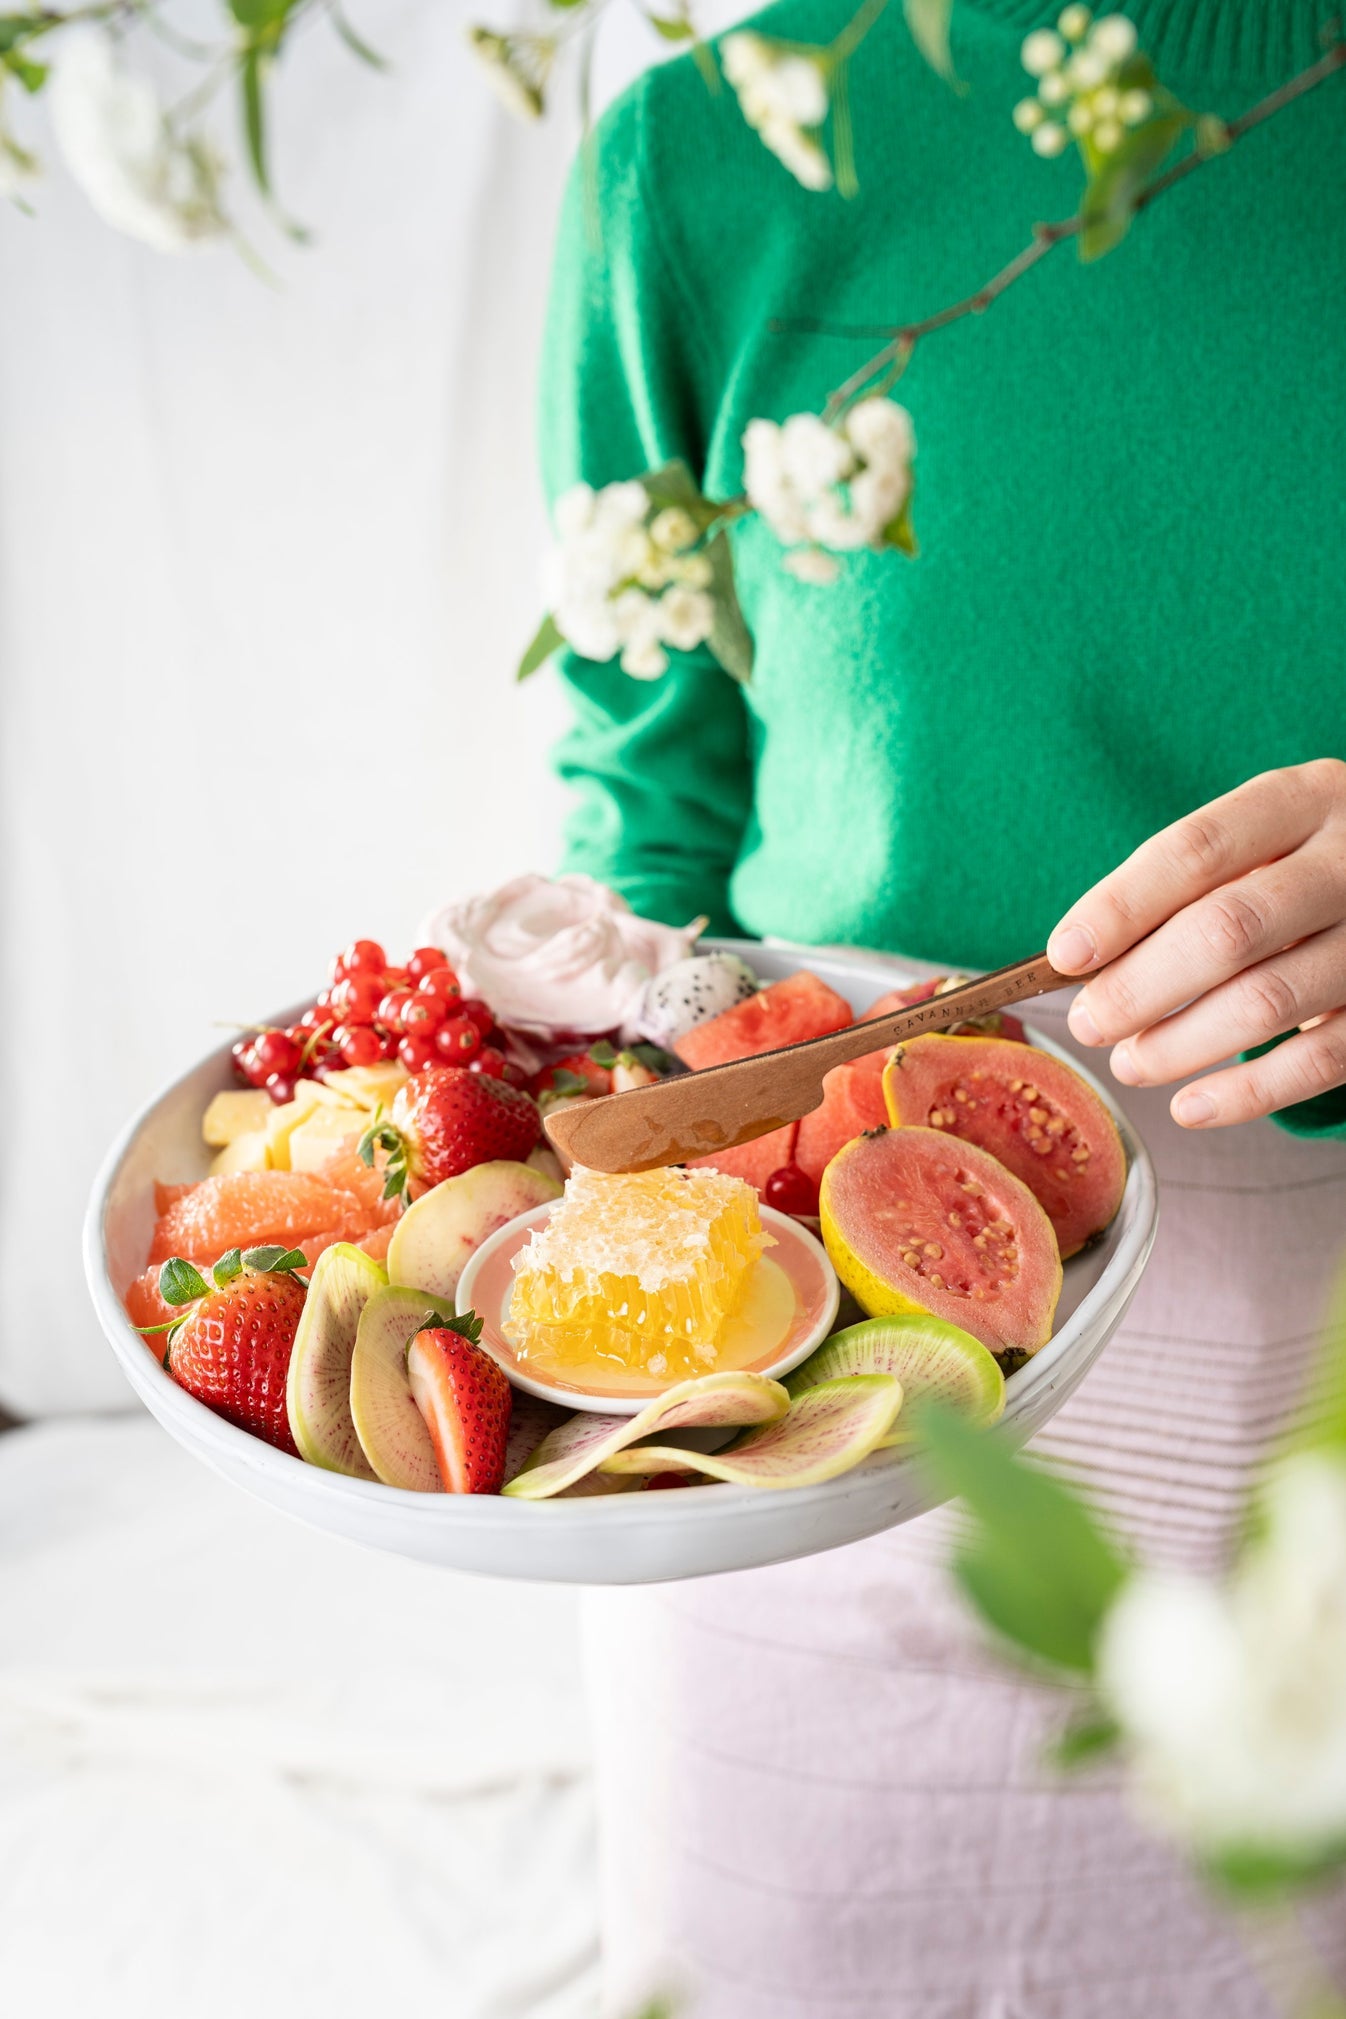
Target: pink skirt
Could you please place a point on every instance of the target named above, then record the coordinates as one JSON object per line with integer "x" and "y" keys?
{"x": 822, "y": 1796}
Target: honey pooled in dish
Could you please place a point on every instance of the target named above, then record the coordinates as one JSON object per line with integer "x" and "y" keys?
{"x": 640, "y": 1271}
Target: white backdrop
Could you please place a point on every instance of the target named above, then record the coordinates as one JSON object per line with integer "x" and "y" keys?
{"x": 267, "y": 556}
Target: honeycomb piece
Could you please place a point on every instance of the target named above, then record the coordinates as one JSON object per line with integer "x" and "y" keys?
{"x": 638, "y": 1271}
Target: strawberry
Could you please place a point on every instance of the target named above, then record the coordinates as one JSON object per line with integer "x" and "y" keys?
{"x": 445, "y": 1120}
{"x": 231, "y": 1346}
{"x": 580, "y": 1073}
{"x": 465, "y": 1400}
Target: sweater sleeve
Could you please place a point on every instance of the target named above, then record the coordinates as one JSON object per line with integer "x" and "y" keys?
{"x": 659, "y": 769}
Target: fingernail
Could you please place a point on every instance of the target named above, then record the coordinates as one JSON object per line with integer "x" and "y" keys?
{"x": 1072, "y": 948}
{"x": 1192, "y": 1108}
{"x": 1082, "y": 1024}
{"x": 1124, "y": 1066}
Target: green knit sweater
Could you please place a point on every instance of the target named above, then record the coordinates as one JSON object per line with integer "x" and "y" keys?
{"x": 1130, "y": 488}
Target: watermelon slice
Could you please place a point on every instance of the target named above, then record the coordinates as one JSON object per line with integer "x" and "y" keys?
{"x": 801, "y": 1006}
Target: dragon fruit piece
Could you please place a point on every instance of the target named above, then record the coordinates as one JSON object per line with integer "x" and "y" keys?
{"x": 691, "y": 992}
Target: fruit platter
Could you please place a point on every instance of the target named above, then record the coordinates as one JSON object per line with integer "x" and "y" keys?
{"x": 341, "y": 1261}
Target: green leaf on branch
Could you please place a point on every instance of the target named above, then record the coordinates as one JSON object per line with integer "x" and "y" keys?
{"x": 1038, "y": 1568}
{"x": 254, "y": 122}
{"x": 356, "y": 43}
{"x": 546, "y": 640}
{"x": 17, "y": 28}
{"x": 1256, "y": 1872}
{"x": 1090, "y": 1738}
{"x": 673, "y": 27}
{"x": 730, "y": 639}
{"x": 673, "y": 485}
{"x": 32, "y": 76}
{"x": 928, "y": 24}
{"x": 1117, "y": 179}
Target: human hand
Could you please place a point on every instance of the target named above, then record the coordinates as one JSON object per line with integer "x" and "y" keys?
{"x": 1220, "y": 932}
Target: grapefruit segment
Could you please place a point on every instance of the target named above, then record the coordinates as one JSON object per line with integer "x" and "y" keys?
{"x": 917, "y": 1220}
{"x": 801, "y": 1006}
{"x": 1029, "y": 1109}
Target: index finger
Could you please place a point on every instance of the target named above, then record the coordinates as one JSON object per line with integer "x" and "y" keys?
{"x": 1252, "y": 825}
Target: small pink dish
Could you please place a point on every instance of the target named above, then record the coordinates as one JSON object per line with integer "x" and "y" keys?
{"x": 488, "y": 1282}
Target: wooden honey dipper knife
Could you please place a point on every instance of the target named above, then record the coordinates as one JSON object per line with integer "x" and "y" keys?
{"x": 695, "y": 1114}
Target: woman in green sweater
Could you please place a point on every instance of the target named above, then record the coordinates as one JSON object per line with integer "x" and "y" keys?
{"x": 1116, "y": 669}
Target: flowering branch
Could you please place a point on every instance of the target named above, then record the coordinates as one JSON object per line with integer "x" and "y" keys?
{"x": 831, "y": 483}
{"x": 904, "y": 337}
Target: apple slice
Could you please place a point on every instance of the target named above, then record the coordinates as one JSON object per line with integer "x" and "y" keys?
{"x": 436, "y": 1237}
{"x": 828, "y": 1429}
{"x": 318, "y": 1389}
{"x": 390, "y": 1427}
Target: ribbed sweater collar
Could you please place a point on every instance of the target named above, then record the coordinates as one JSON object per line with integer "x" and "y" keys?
{"x": 1256, "y": 40}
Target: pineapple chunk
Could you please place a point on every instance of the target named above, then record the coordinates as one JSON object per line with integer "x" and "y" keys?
{"x": 371, "y": 1086}
{"x": 247, "y": 1152}
{"x": 313, "y": 1142}
{"x": 234, "y": 1114}
{"x": 283, "y": 1121}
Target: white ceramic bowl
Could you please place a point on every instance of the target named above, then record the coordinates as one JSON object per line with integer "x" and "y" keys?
{"x": 619, "y": 1539}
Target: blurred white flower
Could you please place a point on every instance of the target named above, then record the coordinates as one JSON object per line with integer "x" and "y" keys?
{"x": 812, "y": 565}
{"x": 518, "y": 67}
{"x": 783, "y": 97}
{"x": 840, "y": 487}
{"x": 139, "y": 175}
{"x": 1234, "y": 1699}
{"x": 1080, "y": 86}
{"x": 621, "y": 581}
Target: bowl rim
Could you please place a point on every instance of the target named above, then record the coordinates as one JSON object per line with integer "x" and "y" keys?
{"x": 631, "y": 1405}
{"x": 232, "y": 1449}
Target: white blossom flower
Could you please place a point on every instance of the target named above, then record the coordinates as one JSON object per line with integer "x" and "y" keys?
{"x": 621, "y": 581}
{"x": 518, "y": 67}
{"x": 1083, "y": 89}
{"x": 812, "y": 565}
{"x": 837, "y": 487}
{"x": 120, "y": 146}
{"x": 1234, "y": 1698}
{"x": 783, "y": 96}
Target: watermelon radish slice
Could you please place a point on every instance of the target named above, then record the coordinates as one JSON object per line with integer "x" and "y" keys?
{"x": 918, "y": 1220}
{"x": 932, "y": 1360}
{"x": 530, "y": 1420}
{"x": 579, "y": 1446}
{"x": 318, "y": 1386}
{"x": 390, "y": 1427}
{"x": 1027, "y": 1108}
{"x": 828, "y": 1430}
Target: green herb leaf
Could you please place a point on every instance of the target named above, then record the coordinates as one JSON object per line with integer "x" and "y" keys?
{"x": 275, "y": 1261}
{"x": 563, "y": 1081}
{"x": 181, "y": 1283}
{"x": 655, "y": 1057}
{"x": 546, "y": 640}
{"x": 467, "y": 1323}
{"x": 1039, "y": 1568}
{"x": 928, "y": 25}
{"x": 603, "y": 1055}
{"x": 228, "y": 1267}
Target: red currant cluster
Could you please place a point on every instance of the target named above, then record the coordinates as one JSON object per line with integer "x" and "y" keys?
{"x": 370, "y": 1011}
